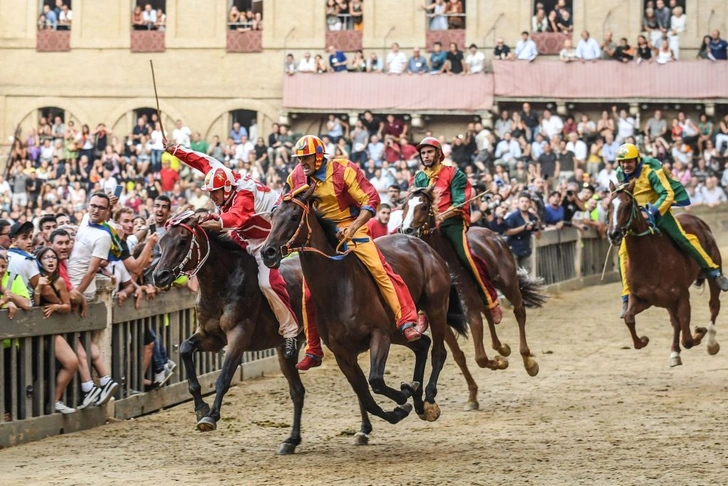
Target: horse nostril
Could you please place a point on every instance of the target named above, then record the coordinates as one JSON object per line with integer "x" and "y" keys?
{"x": 408, "y": 231}
{"x": 162, "y": 276}
{"x": 269, "y": 252}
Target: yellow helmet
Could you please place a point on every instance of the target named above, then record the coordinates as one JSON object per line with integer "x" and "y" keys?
{"x": 627, "y": 151}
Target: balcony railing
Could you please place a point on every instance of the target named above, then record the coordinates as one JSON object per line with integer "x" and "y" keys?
{"x": 147, "y": 41}
{"x": 346, "y": 22}
{"x": 244, "y": 41}
{"x": 49, "y": 40}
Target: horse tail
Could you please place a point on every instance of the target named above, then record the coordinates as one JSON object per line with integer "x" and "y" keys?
{"x": 455, "y": 313}
{"x": 531, "y": 289}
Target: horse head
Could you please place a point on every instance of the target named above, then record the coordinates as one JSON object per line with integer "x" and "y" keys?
{"x": 623, "y": 214}
{"x": 418, "y": 214}
{"x": 185, "y": 248}
{"x": 289, "y": 228}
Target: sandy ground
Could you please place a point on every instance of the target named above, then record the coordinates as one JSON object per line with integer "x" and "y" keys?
{"x": 599, "y": 412}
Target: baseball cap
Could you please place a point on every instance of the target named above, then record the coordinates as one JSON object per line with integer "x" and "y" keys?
{"x": 18, "y": 228}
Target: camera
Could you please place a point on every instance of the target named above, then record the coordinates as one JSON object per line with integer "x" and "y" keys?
{"x": 569, "y": 193}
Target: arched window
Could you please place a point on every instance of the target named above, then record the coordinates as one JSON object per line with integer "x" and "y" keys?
{"x": 51, "y": 123}
{"x": 248, "y": 120}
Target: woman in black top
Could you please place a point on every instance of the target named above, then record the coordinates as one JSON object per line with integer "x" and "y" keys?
{"x": 644, "y": 51}
{"x": 51, "y": 289}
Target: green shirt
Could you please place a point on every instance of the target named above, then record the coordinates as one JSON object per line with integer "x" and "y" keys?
{"x": 200, "y": 146}
{"x": 18, "y": 288}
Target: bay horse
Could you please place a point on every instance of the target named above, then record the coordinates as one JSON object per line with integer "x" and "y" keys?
{"x": 659, "y": 274}
{"x": 231, "y": 311}
{"x": 350, "y": 312}
{"x": 516, "y": 285}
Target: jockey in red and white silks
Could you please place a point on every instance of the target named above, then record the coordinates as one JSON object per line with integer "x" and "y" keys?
{"x": 244, "y": 208}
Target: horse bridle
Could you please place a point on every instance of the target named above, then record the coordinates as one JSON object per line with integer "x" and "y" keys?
{"x": 635, "y": 210}
{"x": 286, "y": 249}
{"x": 179, "y": 270}
{"x": 426, "y": 228}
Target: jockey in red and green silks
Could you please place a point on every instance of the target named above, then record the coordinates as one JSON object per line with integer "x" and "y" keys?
{"x": 657, "y": 191}
{"x": 453, "y": 190}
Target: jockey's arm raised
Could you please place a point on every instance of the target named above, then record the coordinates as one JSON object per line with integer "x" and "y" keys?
{"x": 196, "y": 160}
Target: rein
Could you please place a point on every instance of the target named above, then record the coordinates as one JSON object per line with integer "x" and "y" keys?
{"x": 287, "y": 249}
{"x": 179, "y": 270}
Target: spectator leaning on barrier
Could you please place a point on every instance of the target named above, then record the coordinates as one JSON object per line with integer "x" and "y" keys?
{"x": 307, "y": 64}
{"x": 475, "y": 60}
{"x": 417, "y": 64}
{"x": 438, "y": 59}
{"x": 718, "y": 47}
{"x": 337, "y": 60}
{"x": 501, "y": 50}
{"x": 20, "y": 260}
{"x": 455, "y": 60}
{"x": 396, "y": 60}
{"x": 521, "y": 224}
{"x": 588, "y": 49}
{"x": 526, "y": 49}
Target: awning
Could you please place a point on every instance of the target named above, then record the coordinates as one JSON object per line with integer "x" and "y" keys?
{"x": 611, "y": 80}
{"x": 388, "y": 93}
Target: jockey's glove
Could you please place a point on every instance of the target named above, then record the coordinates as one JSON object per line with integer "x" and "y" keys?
{"x": 653, "y": 214}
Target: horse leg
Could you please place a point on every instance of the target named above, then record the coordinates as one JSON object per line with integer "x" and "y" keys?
{"x": 237, "y": 341}
{"x": 713, "y": 346}
{"x": 675, "y": 359}
{"x": 362, "y": 437}
{"x": 297, "y": 393}
{"x": 355, "y": 376}
{"x": 379, "y": 345}
{"x": 459, "y": 358}
{"x": 438, "y": 320}
{"x": 186, "y": 350}
{"x": 500, "y": 348}
{"x": 419, "y": 348}
{"x": 475, "y": 321}
{"x": 636, "y": 305}
{"x": 683, "y": 315}
{"x": 528, "y": 361}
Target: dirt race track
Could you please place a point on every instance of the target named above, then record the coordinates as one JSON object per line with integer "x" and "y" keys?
{"x": 599, "y": 412}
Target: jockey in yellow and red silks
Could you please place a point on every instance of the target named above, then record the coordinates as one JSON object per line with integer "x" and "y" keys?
{"x": 347, "y": 198}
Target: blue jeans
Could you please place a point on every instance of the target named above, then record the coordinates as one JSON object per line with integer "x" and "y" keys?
{"x": 159, "y": 355}
{"x": 157, "y": 160}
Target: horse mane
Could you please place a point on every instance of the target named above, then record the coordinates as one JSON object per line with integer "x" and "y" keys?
{"x": 223, "y": 239}
{"x": 329, "y": 227}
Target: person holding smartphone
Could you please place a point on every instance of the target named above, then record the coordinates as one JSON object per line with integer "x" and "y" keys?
{"x": 521, "y": 224}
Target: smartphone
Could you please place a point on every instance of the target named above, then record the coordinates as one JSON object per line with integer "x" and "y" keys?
{"x": 117, "y": 191}
{"x": 152, "y": 228}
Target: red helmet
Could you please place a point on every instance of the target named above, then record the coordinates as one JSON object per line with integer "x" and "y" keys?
{"x": 310, "y": 145}
{"x": 219, "y": 178}
{"x": 432, "y": 142}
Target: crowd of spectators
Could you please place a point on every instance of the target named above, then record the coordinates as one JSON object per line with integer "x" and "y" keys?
{"x": 148, "y": 18}
{"x": 75, "y": 203}
{"x": 244, "y": 21}
{"x": 344, "y": 15}
{"x": 59, "y": 17}
{"x": 445, "y": 14}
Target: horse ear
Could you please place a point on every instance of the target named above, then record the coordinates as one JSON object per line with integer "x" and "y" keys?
{"x": 612, "y": 187}
{"x": 631, "y": 185}
{"x": 429, "y": 189}
{"x": 308, "y": 193}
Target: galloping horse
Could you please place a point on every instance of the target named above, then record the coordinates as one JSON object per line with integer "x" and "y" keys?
{"x": 350, "y": 312}
{"x": 231, "y": 311}
{"x": 659, "y": 274}
{"x": 516, "y": 286}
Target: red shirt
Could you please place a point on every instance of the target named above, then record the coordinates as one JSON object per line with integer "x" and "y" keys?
{"x": 63, "y": 272}
{"x": 408, "y": 151}
{"x": 377, "y": 229}
{"x": 395, "y": 128}
{"x": 168, "y": 177}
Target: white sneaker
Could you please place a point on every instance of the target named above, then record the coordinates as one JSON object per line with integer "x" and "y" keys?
{"x": 170, "y": 365}
{"x": 162, "y": 377}
{"x": 90, "y": 397}
{"x": 62, "y": 408}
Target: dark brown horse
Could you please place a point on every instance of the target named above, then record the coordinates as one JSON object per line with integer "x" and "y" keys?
{"x": 659, "y": 274}
{"x": 350, "y": 312}
{"x": 231, "y": 311}
{"x": 516, "y": 286}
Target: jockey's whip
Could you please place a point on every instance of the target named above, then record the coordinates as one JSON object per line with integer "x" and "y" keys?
{"x": 156, "y": 97}
{"x": 466, "y": 202}
{"x": 604, "y": 268}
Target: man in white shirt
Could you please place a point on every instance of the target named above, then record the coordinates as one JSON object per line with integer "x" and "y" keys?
{"x": 607, "y": 175}
{"x": 243, "y": 149}
{"x": 508, "y": 150}
{"x": 588, "y": 48}
{"x": 475, "y": 60}
{"x": 526, "y": 49}
{"x": 149, "y": 16}
{"x": 551, "y": 125}
{"x": 108, "y": 183}
{"x": 625, "y": 124}
{"x": 91, "y": 247}
{"x": 680, "y": 153}
{"x": 181, "y": 134}
{"x": 578, "y": 148}
{"x": 307, "y": 64}
{"x": 396, "y": 60}
{"x": 712, "y": 194}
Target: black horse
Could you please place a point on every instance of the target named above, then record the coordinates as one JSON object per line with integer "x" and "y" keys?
{"x": 231, "y": 311}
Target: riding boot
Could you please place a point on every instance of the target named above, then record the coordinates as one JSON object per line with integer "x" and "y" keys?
{"x": 625, "y": 304}
{"x": 410, "y": 332}
{"x": 722, "y": 282}
{"x": 290, "y": 347}
{"x": 308, "y": 362}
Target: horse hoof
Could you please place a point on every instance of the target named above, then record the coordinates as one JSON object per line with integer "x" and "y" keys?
{"x": 422, "y": 416}
{"x": 713, "y": 349}
{"x": 406, "y": 408}
{"x": 531, "y": 368}
{"x": 471, "y": 406}
{"x": 644, "y": 340}
{"x": 411, "y": 387}
{"x": 286, "y": 449}
{"x": 504, "y": 350}
{"x": 206, "y": 424}
{"x": 201, "y": 413}
{"x": 361, "y": 439}
{"x": 500, "y": 363}
{"x": 675, "y": 361}
{"x": 432, "y": 411}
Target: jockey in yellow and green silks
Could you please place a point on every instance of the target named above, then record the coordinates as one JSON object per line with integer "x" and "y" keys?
{"x": 656, "y": 191}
